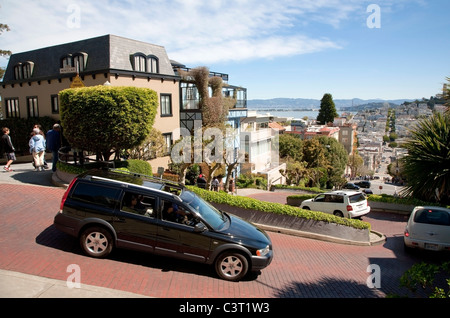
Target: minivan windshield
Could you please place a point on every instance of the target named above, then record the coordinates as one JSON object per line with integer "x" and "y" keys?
{"x": 210, "y": 214}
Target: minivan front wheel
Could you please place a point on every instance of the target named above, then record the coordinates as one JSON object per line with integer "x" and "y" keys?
{"x": 231, "y": 266}
{"x": 96, "y": 242}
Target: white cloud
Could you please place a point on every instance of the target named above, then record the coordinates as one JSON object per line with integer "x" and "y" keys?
{"x": 192, "y": 31}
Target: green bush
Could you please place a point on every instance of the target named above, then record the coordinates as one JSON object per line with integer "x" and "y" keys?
{"x": 254, "y": 204}
{"x": 101, "y": 119}
{"x": 423, "y": 276}
{"x": 309, "y": 189}
{"x": 132, "y": 165}
{"x": 399, "y": 200}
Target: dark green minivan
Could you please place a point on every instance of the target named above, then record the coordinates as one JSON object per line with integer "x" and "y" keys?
{"x": 108, "y": 208}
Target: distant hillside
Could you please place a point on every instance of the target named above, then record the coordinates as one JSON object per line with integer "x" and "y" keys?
{"x": 307, "y": 104}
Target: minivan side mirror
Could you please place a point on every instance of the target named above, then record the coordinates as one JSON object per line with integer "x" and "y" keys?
{"x": 199, "y": 227}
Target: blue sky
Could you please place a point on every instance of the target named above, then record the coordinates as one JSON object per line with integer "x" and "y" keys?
{"x": 286, "y": 48}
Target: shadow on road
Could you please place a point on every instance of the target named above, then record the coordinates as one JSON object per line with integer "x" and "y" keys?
{"x": 53, "y": 238}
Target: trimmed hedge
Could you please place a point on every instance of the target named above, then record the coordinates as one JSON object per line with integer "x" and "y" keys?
{"x": 254, "y": 204}
{"x": 398, "y": 200}
{"x": 133, "y": 165}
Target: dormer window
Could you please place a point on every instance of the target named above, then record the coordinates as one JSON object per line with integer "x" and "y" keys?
{"x": 18, "y": 75}
{"x": 143, "y": 63}
{"x": 140, "y": 62}
{"x": 153, "y": 64}
{"x": 79, "y": 61}
{"x": 27, "y": 69}
{"x": 23, "y": 70}
{"x": 67, "y": 61}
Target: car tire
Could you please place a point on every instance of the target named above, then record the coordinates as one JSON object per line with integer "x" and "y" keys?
{"x": 231, "y": 266}
{"x": 338, "y": 213}
{"x": 306, "y": 208}
{"x": 96, "y": 242}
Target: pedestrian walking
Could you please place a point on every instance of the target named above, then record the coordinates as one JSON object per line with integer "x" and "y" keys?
{"x": 8, "y": 148}
{"x": 37, "y": 149}
{"x": 231, "y": 186}
{"x": 54, "y": 143}
{"x": 215, "y": 184}
{"x": 37, "y": 128}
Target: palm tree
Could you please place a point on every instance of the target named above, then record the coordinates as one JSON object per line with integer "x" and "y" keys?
{"x": 427, "y": 165}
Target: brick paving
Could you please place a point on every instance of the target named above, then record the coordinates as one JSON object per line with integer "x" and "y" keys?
{"x": 302, "y": 268}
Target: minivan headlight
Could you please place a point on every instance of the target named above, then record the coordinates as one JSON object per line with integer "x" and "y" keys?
{"x": 264, "y": 251}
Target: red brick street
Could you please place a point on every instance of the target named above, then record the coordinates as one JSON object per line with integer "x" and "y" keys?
{"x": 303, "y": 268}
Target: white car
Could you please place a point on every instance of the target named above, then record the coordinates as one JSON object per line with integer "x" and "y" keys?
{"x": 428, "y": 228}
{"x": 349, "y": 204}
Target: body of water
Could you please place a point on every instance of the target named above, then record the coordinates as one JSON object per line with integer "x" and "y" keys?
{"x": 311, "y": 114}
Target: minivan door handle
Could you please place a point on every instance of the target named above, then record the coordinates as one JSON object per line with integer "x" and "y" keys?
{"x": 117, "y": 219}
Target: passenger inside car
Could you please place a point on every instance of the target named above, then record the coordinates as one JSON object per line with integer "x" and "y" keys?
{"x": 134, "y": 203}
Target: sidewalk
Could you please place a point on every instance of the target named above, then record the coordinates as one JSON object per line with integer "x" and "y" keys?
{"x": 19, "y": 285}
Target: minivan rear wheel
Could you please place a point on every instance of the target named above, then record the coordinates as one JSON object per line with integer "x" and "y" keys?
{"x": 339, "y": 213}
{"x": 231, "y": 266}
{"x": 96, "y": 242}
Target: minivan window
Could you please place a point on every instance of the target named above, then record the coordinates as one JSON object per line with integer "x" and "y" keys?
{"x": 210, "y": 214}
{"x": 432, "y": 216}
{"x": 357, "y": 198}
{"x": 95, "y": 194}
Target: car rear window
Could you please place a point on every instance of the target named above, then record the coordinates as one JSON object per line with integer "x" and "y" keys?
{"x": 96, "y": 194}
{"x": 357, "y": 198}
{"x": 432, "y": 216}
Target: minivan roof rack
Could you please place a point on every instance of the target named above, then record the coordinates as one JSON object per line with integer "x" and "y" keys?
{"x": 152, "y": 178}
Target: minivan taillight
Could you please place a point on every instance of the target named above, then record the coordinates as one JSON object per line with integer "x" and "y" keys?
{"x": 63, "y": 200}
{"x": 349, "y": 208}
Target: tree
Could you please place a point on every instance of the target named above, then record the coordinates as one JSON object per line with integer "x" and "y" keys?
{"x": 290, "y": 146}
{"x": 427, "y": 165}
{"x": 214, "y": 114}
{"x": 337, "y": 158}
{"x": 107, "y": 119}
{"x": 3, "y": 28}
{"x": 327, "y": 111}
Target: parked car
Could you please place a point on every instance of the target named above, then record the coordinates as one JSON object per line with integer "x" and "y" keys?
{"x": 363, "y": 184}
{"x": 367, "y": 191}
{"x": 107, "y": 209}
{"x": 351, "y": 186}
{"x": 349, "y": 204}
{"x": 428, "y": 228}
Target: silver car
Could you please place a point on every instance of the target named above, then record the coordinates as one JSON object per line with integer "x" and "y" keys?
{"x": 428, "y": 228}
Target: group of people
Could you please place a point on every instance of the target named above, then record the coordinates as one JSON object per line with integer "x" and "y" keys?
{"x": 38, "y": 144}
{"x": 215, "y": 183}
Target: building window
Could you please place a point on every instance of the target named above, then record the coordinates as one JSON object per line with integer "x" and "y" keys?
{"x": 153, "y": 64}
{"x": 27, "y": 69}
{"x": 168, "y": 143}
{"x": 79, "y": 61}
{"x": 140, "y": 62}
{"x": 190, "y": 96}
{"x": 55, "y": 104}
{"x": 12, "y": 108}
{"x": 67, "y": 61}
{"x": 18, "y": 75}
{"x": 166, "y": 105}
{"x": 32, "y": 104}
